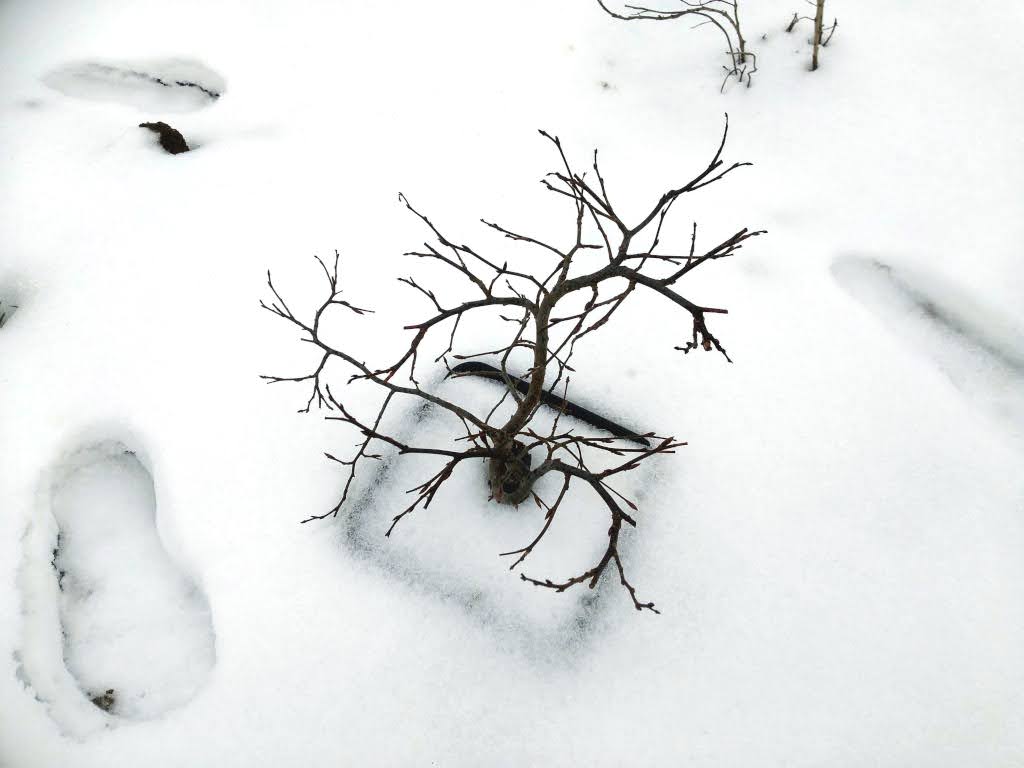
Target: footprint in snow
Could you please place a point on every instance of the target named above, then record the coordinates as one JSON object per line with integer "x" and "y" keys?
{"x": 114, "y": 631}
{"x": 977, "y": 348}
{"x": 166, "y": 85}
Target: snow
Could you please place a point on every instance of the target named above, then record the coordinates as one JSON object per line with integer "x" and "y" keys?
{"x": 837, "y": 553}
{"x": 133, "y": 627}
{"x": 980, "y": 350}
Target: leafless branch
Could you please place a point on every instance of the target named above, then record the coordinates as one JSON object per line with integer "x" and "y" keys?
{"x": 724, "y": 15}
{"x": 603, "y": 263}
{"x": 819, "y": 39}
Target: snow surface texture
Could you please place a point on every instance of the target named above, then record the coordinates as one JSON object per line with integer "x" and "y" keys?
{"x": 168, "y": 85}
{"x": 838, "y": 554}
{"x": 132, "y": 627}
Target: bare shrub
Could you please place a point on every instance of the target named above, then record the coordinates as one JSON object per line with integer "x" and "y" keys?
{"x": 724, "y": 15}
{"x": 605, "y": 262}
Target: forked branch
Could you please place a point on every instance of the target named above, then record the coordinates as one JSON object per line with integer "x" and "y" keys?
{"x": 603, "y": 263}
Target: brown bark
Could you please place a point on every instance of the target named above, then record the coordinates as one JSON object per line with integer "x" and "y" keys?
{"x": 819, "y": 20}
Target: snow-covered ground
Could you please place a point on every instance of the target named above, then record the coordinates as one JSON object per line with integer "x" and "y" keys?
{"x": 838, "y": 554}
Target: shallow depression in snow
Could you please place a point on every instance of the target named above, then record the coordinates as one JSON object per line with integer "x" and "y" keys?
{"x": 452, "y": 549}
{"x": 170, "y": 85}
{"x": 137, "y": 635}
{"x": 976, "y": 347}
{"x": 7, "y": 310}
